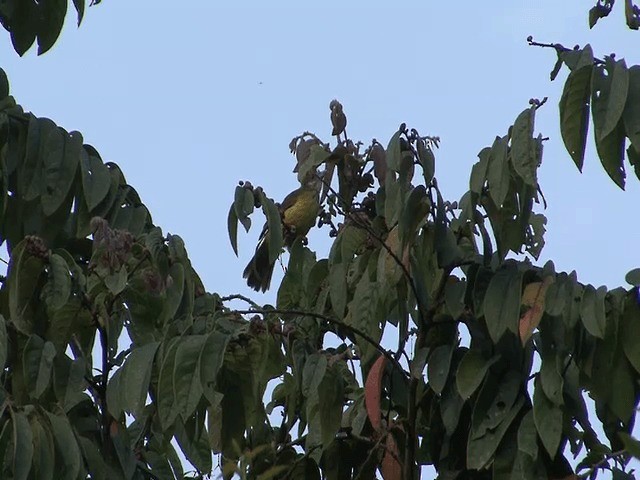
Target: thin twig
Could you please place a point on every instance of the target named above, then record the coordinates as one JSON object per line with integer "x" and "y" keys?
{"x": 602, "y": 463}
{"x": 334, "y": 321}
{"x": 237, "y": 296}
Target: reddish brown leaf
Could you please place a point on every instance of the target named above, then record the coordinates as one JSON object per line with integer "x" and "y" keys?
{"x": 391, "y": 468}
{"x": 372, "y": 390}
{"x": 533, "y": 297}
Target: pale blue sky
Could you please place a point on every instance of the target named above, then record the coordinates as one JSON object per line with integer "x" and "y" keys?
{"x": 190, "y": 99}
{"x": 173, "y": 95}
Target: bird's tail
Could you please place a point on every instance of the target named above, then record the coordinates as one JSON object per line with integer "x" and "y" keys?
{"x": 259, "y": 270}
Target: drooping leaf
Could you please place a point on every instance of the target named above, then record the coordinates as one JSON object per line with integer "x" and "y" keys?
{"x": 3, "y": 342}
{"x": 479, "y": 171}
{"x": 136, "y": 374}
{"x": 391, "y": 468}
{"x": 394, "y": 152}
{"x": 533, "y": 297}
{"x": 211, "y": 358}
{"x": 630, "y": 331}
{"x": 37, "y": 363}
{"x": 523, "y": 148}
{"x": 24, "y": 274}
{"x": 607, "y": 105}
{"x": 96, "y": 179}
{"x": 471, "y": 372}
{"x": 574, "y": 107}
{"x": 414, "y": 212}
{"x": 52, "y": 13}
{"x": 22, "y": 446}
{"x": 631, "y": 113}
{"x": 592, "y": 311}
{"x": 274, "y": 224}
{"x": 243, "y": 205}
{"x": 427, "y": 160}
{"x": 60, "y": 164}
{"x": 372, "y": 390}
{"x": 438, "y": 367}
{"x": 609, "y": 96}
{"x": 502, "y": 302}
{"x": 528, "y": 436}
{"x": 498, "y": 174}
{"x": 493, "y": 414}
{"x": 79, "y": 6}
{"x": 43, "y": 449}
{"x": 58, "y": 287}
{"x": 167, "y": 406}
{"x": 330, "y": 398}
{"x": 186, "y": 380}
{"x": 548, "y": 419}
{"x": 66, "y": 447}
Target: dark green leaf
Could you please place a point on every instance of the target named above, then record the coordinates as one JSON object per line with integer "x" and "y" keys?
{"x": 52, "y": 13}
{"x": 481, "y": 448}
{"x": 330, "y": 403}
{"x": 232, "y": 227}
{"x": 243, "y": 206}
{"x": 313, "y": 373}
{"x": 317, "y": 156}
{"x": 69, "y": 381}
{"x": 479, "y": 171}
{"x": 3, "y": 343}
{"x": 414, "y": 212}
{"x": 454, "y": 293}
{"x": 274, "y": 225}
{"x": 338, "y": 288}
{"x": 66, "y": 446}
{"x": 59, "y": 165}
{"x": 427, "y": 160}
{"x": 609, "y": 96}
{"x": 631, "y": 445}
{"x": 607, "y": 105}
{"x": 4, "y": 85}
{"x": 394, "y": 152}
{"x": 22, "y": 446}
{"x": 548, "y": 420}
{"x": 37, "y": 362}
{"x": 24, "y": 25}
{"x": 438, "y": 367}
{"x": 523, "y": 148}
{"x": 167, "y": 406}
{"x": 528, "y": 436}
{"x": 631, "y": 113}
{"x": 23, "y": 277}
{"x": 94, "y": 460}
{"x": 58, "y": 287}
{"x": 471, "y": 372}
{"x": 592, "y": 311}
{"x": 502, "y": 302}
{"x": 136, "y": 374}
{"x": 96, "y": 179}
{"x": 186, "y": 380}
{"x": 574, "y": 107}
{"x": 631, "y": 331}
{"x": 498, "y": 175}
{"x": 79, "y": 5}
{"x": 633, "y": 277}
{"x": 115, "y": 394}
{"x": 43, "y": 449}
{"x": 211, "y": 358}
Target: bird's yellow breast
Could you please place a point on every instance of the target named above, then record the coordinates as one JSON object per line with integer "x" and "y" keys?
{"x": 302, "y": 212}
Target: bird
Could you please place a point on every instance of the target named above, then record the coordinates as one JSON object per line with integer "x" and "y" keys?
{"x": 298, "y": 212}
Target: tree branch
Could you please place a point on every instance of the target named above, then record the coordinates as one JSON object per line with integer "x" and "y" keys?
{"x": 334, "y": 321}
